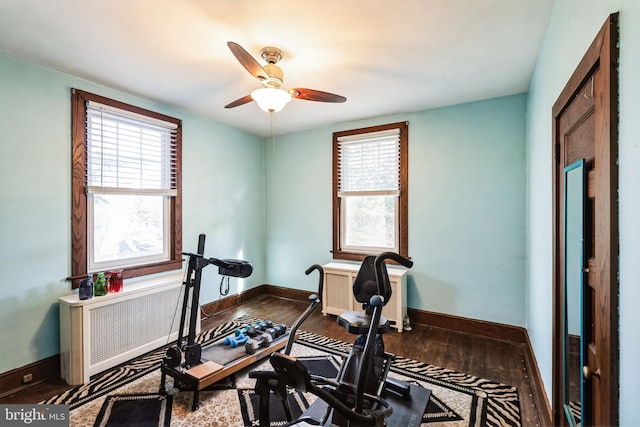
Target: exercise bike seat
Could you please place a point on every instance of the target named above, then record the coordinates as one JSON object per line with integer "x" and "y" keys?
{"x": 365, "y": 286}
{"x": 358, "y": 323}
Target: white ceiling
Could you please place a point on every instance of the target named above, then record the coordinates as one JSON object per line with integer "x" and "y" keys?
{"x": 385, "y": 57}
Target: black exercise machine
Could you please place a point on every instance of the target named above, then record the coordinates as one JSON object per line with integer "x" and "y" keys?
{"x": 191, "y": 350}
{"x": 362, "y": 394}
{"x": 194, "y": 367}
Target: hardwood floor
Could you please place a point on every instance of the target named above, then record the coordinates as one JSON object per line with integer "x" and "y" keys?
{"x": 493, "y": 359}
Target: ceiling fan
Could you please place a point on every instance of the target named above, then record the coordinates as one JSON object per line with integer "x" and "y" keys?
{"x": 271, "y": 98}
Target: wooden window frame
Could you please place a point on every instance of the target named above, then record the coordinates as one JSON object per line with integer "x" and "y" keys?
{"x": 79, "y": 265}
{"x": 403, "y": 200}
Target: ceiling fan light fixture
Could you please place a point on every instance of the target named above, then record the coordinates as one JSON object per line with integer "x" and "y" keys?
{"x": 271, "y": 100}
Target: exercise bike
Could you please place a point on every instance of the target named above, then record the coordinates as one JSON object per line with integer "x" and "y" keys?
{"x": 362, "y": 394}
{"x": 269, "y": 381}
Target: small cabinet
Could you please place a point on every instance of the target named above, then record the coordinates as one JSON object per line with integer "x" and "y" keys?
{"x": 337, "y": 293}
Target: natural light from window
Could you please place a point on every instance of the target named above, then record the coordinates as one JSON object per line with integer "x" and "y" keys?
{"x": 370, "y": 222}
{"x": 128, "y": 229}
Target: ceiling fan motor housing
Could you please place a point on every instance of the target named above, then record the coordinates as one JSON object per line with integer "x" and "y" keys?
{"x": 275, "y": 76}
{"x": 271, "y": 54}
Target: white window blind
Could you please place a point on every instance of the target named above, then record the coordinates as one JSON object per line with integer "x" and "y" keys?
{"x": 369, "y": 163}
{"x": 129, "y": 153}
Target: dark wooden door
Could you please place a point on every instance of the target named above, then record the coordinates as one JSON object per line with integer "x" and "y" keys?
{"x": 585, "y": 127}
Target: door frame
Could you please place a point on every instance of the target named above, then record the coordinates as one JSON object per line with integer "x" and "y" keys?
{"x": 602, "y": 53}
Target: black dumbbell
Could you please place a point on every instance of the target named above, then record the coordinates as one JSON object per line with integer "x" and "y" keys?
{"x": 263, "y": 340}
{"x": 258, "y": 329}
{"x": 280, "y": 329}
{"x": 276, "y": 331}
{"x": 263, "y": 326}
{"x": 259, "y": 325}
{"x": 253, "y": 332}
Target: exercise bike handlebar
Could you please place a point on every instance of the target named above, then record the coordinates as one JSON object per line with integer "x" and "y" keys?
{"x": 320, "y": 279}
{"x": 315, "y": 301}
{"x": 380, "y": 267}
{"x": 395, "y": 257}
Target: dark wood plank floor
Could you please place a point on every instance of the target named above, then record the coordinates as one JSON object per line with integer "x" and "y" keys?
{"x": 484, "y": 357}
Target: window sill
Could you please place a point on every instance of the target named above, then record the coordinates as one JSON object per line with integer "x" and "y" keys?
{"x": 351, "y": 256}
{"x": 356, "y": 256}
{"x": 130, "y": 290}
{"x": 138, "y": 271}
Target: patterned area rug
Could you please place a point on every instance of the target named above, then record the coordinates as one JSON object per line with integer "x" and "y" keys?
{"x": 457, "y": 399}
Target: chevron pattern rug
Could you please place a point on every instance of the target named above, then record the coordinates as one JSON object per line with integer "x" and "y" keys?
{"x": 457, "y": 399}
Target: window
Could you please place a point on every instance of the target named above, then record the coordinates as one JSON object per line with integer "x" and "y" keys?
{"x": 370, "y": 180}
{"x": 126, "y": 188}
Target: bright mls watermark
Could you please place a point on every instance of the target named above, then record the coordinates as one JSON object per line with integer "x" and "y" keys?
{"x": 34, "y": 415}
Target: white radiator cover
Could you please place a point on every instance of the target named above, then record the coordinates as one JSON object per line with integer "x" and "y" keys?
{"x": 105, "y": 331}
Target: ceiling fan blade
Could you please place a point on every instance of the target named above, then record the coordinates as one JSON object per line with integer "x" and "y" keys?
{"x": 239, "y": 102}
{"x": 315, "y": 95}
{"x": 248, "y": 61}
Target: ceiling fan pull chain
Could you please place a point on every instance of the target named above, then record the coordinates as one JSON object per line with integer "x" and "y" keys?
{"x": 273, "y": 134}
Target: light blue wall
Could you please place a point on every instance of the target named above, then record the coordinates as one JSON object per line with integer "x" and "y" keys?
{"x": 574, "y": 25}
{"x": 466, "y": 207}
{"x": 466, "y": 204}
{"x": 222, "y": 197}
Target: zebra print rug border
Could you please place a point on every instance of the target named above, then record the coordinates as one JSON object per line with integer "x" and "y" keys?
{"x": 493, "y": 404}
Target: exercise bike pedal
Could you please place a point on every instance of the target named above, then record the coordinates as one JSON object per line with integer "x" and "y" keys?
{"x": 398, "y": 387}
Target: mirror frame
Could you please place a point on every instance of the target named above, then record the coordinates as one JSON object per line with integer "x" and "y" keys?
{"x": 579, "y": 169}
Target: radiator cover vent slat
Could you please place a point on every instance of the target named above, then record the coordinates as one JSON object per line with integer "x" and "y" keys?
{"x": 118, "y": 328}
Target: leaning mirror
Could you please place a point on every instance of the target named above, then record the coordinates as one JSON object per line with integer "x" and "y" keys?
{"x": 574, "y": 199}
